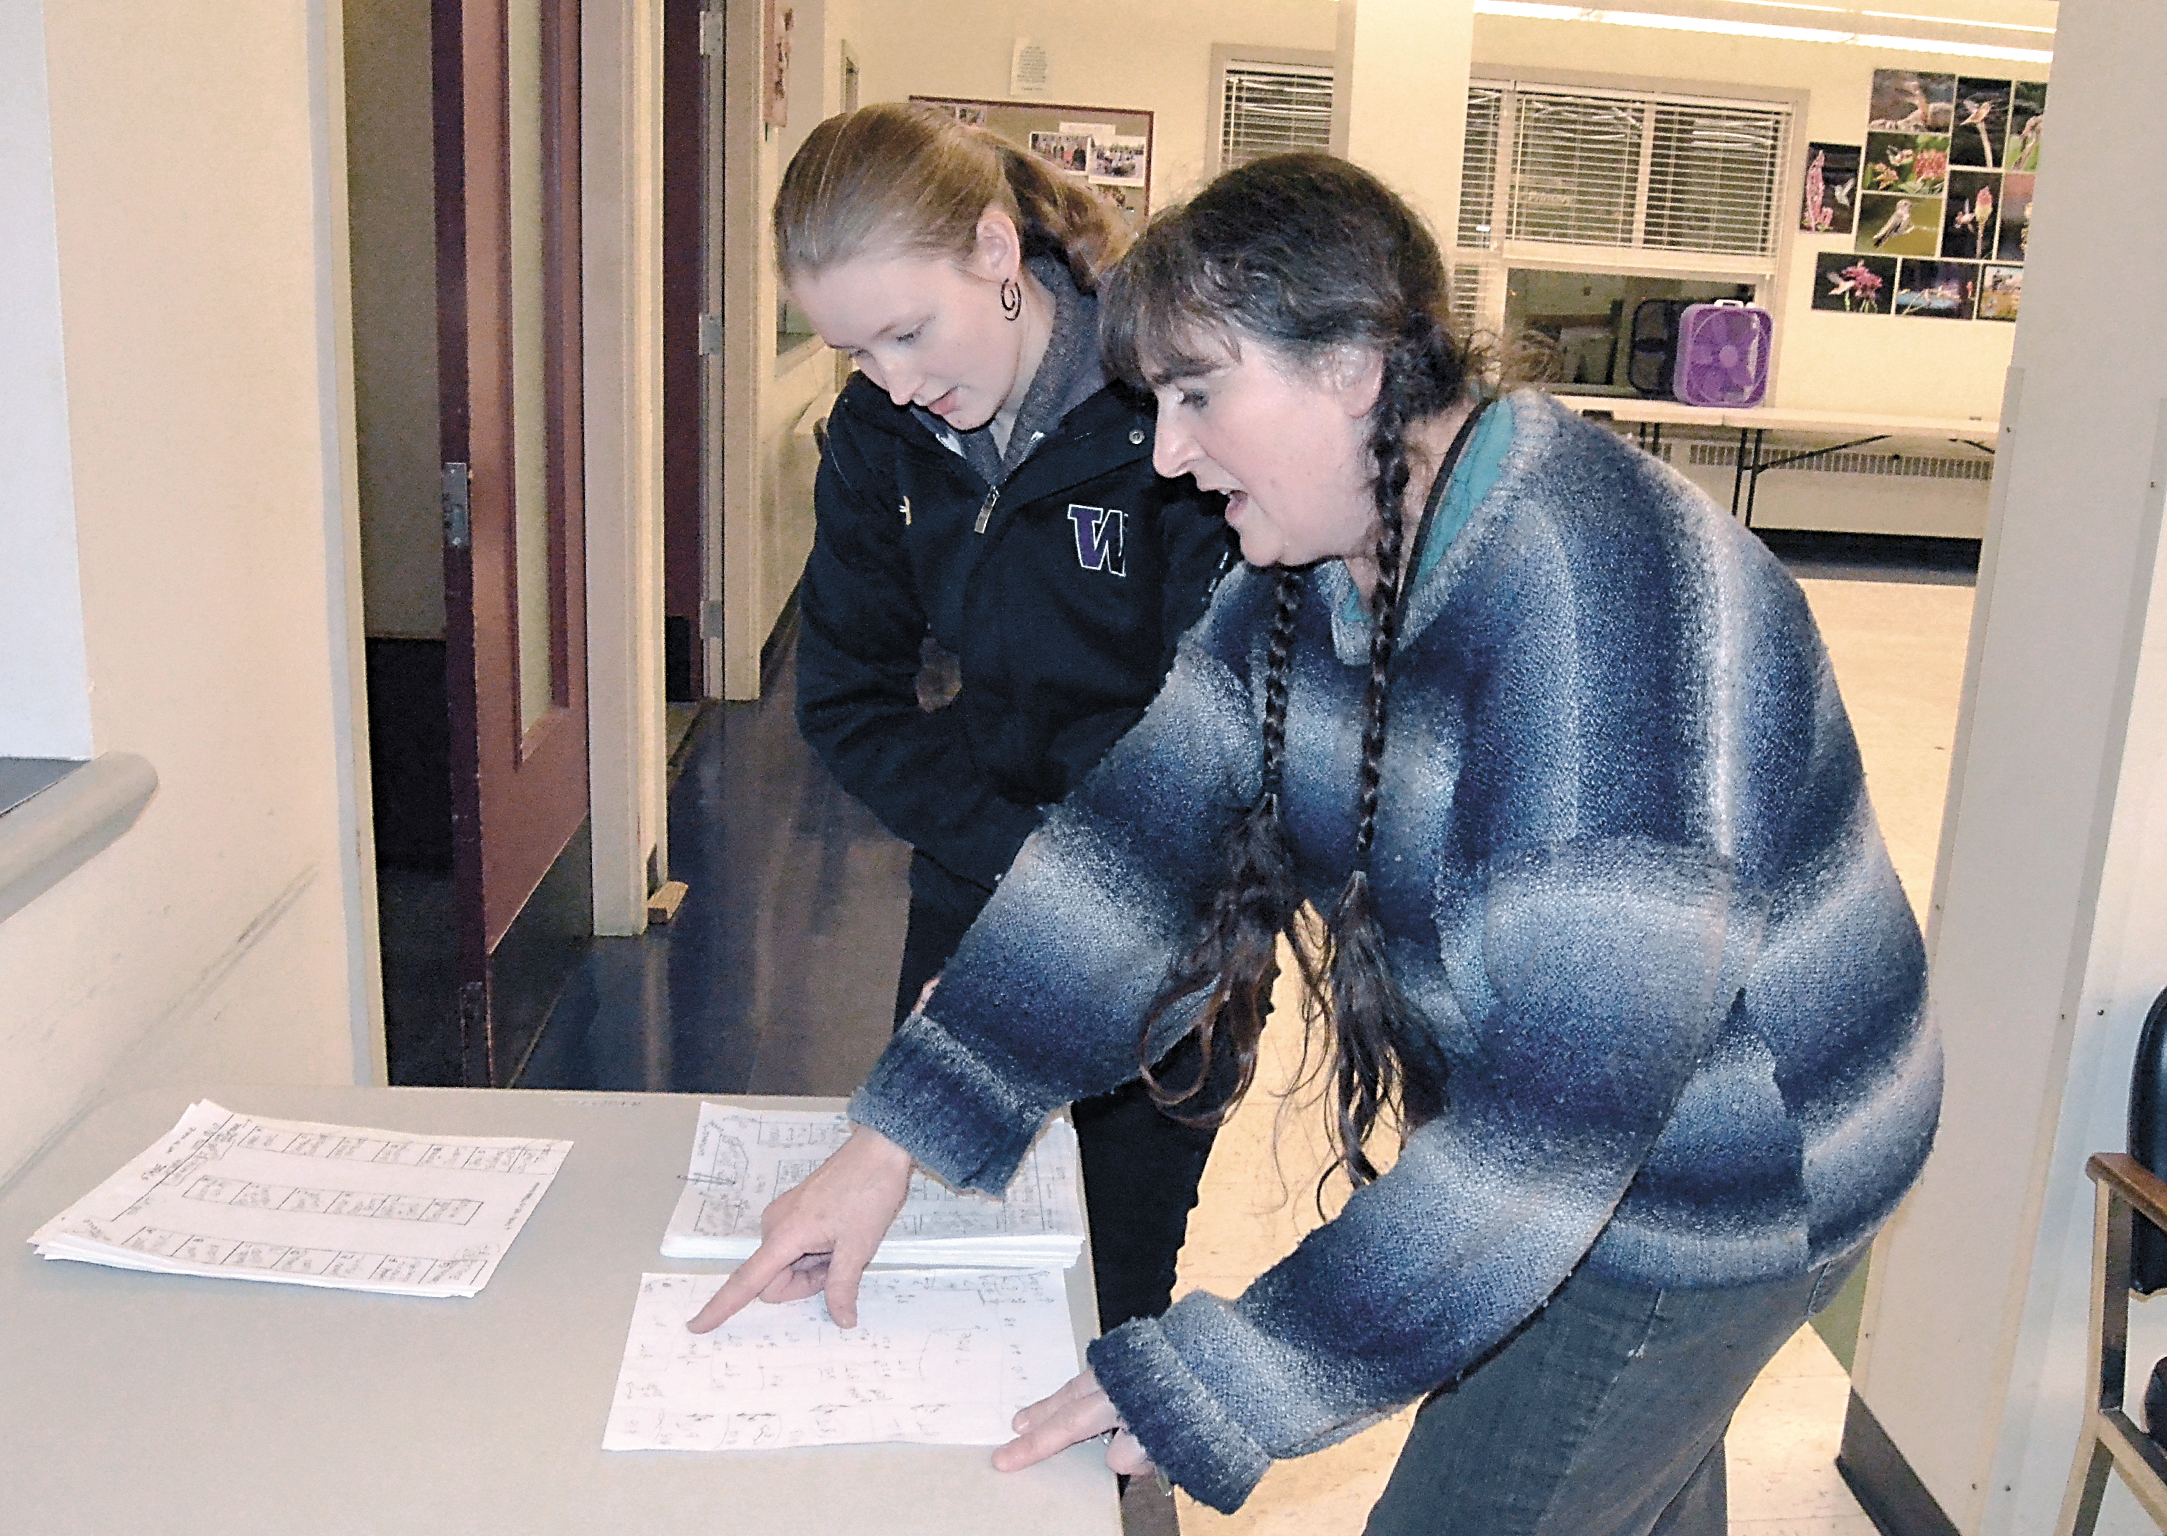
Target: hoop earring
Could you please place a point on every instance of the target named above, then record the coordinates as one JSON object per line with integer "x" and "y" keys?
{"x": 1011, "y": 299}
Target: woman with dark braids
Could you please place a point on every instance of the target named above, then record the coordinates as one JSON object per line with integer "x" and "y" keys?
{"x": 1608, "y": 960}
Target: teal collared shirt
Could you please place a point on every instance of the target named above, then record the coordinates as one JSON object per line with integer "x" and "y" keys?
{"x": 1481, "y": 461}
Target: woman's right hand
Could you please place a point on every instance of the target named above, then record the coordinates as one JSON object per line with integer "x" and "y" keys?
{"x": 821, "y": 1235}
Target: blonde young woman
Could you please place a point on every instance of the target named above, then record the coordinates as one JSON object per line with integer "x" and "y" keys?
{"x": 983, "y": 485}
{"x": 1613, "y": 952}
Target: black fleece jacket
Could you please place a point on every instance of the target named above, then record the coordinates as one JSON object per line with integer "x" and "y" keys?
{"x": 1061, "y": 592}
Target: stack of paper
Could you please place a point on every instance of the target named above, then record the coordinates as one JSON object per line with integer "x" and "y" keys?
{"x": 939, "y": 1357}
{"x": 743, "y": 1158}
{"x": 240, "y": 1198}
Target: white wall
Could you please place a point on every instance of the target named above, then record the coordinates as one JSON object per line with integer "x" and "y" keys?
{"x": 1125, "y": 53}
{"x": 44, "y": 687}
{"x": 391, "y": 178}
{"x": 768, "y": 457}
{"x": 1393, "y": 53}
{"x": 2047, "y": 934}
{"x": 1828, "y": 361}
{"x": 201, "y": 250}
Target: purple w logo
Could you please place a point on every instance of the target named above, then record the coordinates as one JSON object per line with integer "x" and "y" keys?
{"x": 1100, "y": 535}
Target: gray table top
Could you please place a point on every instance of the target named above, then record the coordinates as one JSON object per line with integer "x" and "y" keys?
{"x": 179, "y": 1405}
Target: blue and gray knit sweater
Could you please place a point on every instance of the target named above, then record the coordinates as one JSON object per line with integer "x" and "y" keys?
{"x": 1628, "y": 877}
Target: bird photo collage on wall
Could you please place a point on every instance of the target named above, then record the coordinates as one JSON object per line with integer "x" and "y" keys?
{"x": 1937, "y": 203}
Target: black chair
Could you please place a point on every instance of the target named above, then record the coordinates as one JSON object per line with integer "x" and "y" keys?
{"x": 2128, "y": 1253}
{"x": 1651, "y": 358}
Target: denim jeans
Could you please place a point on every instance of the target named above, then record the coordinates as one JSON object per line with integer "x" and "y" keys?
{"x": 1141, "y": 1167}
{"x": 1603, "y": 1416}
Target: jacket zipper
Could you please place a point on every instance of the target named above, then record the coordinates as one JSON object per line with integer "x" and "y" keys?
{"x": 985, "y": 512}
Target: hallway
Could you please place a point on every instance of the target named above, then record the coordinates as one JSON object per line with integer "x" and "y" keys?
{"x": 776, "y": 977}
{"x": 778, "y": 973}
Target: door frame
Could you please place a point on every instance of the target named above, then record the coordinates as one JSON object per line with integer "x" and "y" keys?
{"x": 621, "y": 196}
{"x": 620, "y": 107}
{"x": 619, "y": 95}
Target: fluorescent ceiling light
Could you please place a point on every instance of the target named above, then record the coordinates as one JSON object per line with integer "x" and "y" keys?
{"x": 1663, "y": 21}
{"x": 1948, "y": 21}
{"x": 1968, "y": 50}
{"x": 1536, "y": 10}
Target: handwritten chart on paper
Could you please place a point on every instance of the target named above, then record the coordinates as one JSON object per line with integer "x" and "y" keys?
{"x": 743, "y": 1158}
{"x": 939, "y": 1357}
{"x": 242, "y": 1198}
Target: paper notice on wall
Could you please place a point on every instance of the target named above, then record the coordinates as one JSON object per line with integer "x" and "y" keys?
{"x": 1027, "y": 68}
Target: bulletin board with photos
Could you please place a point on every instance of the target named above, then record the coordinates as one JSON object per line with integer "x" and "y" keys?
{"x": 1937, "y": 203}
{"x": 1105, "y": 147}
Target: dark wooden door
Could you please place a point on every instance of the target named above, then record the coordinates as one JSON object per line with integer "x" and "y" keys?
{"x": 690, "y": 35}
{"x": 508, "y": 263}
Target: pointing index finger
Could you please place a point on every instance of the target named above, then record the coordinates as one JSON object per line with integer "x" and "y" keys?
{"x": 747, "y": 1281}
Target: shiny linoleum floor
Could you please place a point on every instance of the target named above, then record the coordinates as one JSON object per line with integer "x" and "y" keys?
{"x": 778, "y": 973}
{"x": 777, "y": 978}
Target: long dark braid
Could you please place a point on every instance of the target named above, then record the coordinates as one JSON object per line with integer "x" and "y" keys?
{"x": 1308, "y": 255}
{"x": 1255, "y": 906}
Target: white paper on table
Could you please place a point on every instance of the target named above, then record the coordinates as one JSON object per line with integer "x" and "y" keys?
{"x": 242, "y": 1198}
{"x": 743, "y": 1158}
{"x": 939, "y": 1357}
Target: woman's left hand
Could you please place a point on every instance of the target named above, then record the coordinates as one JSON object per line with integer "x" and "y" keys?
{"x": 1078, "y": 1412}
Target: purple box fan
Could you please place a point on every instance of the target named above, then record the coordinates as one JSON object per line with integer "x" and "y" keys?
{"x": 1723, "y": 354}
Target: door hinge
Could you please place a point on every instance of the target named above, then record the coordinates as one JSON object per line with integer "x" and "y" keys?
{"x": 711, "y": 619}
{"x": 711, "y": 33}
{"x": 458, "y": 517}
{"x": 711, "y": 335}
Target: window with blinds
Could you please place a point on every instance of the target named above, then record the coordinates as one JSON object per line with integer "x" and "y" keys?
{"x": 1478, "y": 163}
{"x": 1627, "y": 171}
{"x": 1464, "y": 299}
{"x": 1269, "y": 109}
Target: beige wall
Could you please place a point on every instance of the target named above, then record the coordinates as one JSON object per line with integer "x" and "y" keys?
{"x": 621, "y": 272}
{"x": 1128, "y": 53}
{"x": 201, "y": 279}
{"x": 770, "y": 401}
{"x": 1824, "y": 360}
{"x": 1394, "y": 52}
{"x": 391, "y": 178}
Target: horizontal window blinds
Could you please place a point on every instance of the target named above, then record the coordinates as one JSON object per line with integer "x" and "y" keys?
{"x": 1269, "y": 109}
{"x": 1464, "y": 299}
{"x": 1622, "y": 170}
{"x": 1712, "y": 177}
{"x": 1478, "y": 163}
{"x": 1576, "y": 169}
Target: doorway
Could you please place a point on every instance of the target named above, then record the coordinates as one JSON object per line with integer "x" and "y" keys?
{"x": 463, "y": 173}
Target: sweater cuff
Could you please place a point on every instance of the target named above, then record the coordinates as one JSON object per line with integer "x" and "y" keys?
{"x": 1180, "y": 1425}
{"x": 936, "y": 1098}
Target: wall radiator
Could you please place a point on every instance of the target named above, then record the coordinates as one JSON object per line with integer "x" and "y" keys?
{"x": 1850, "y": 462}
